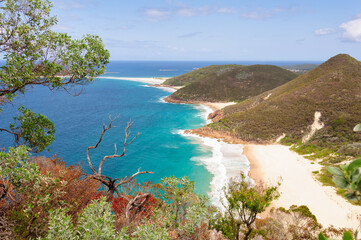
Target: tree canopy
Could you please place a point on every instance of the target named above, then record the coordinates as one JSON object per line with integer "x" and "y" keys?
{"x": 36, "y": 55}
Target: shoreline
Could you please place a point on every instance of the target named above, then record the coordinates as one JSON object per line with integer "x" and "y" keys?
{"x": 227, "y": 159}
{"x": 273, "y": 163}
{"x": 269, "y": 164}
{"x": 138, "y": 79}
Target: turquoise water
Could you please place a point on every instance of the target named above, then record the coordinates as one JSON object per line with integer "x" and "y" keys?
{"x": 160, "y": 148}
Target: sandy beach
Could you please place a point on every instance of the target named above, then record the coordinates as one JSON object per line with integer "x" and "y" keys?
{"x": 274, "y": 163}
{"x": 217, "y": 105}
{"x": 144, "y": 80}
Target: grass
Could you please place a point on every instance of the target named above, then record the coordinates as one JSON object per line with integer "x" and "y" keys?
{"x": 325, "y": 177}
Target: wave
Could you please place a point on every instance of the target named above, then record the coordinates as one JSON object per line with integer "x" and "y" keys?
{"x": 167, "y": 89}
{"x": 204, "y": 111}
{"x": 225, "y": 162}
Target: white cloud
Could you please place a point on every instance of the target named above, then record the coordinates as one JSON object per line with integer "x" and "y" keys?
{"x": 352, "y": 29}
{"x": 262, "y": 13}
{"x": 190, "y": 12}
{"x": 324, "y": 31}
{"x": 156, "y": 15}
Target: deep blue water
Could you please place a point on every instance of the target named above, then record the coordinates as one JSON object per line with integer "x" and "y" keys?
{"x": 159, "y": 148}
{"x": 174, "y": 68}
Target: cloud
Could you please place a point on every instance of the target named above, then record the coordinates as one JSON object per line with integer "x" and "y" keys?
{"x": 352, "y": 29}
{"x": 226, "y": 10}
{"x": 262, "y": 13}
{"x": 324, "y": 31}
{"x": 190, "y": 12}
{"x": 189, "y": 35}
{"x": 156, "y": 15}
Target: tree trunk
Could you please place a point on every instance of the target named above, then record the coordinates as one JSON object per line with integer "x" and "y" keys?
{"x": 238, "y": 228}
{"x": 248, "y": 233}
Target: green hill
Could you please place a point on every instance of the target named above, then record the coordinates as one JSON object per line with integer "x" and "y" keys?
{"x": 199, "y": 74}
{"x": 228, "y": 82}
{"x": 333, "y": 89}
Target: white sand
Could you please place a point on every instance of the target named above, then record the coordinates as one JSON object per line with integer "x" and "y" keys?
{"x": 272, "y": 163}
{"x": 218, "y": 105}
{"x": 144, "y": 80}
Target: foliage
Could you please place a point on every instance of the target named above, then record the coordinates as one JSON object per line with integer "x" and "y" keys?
{"x": 119, "y": 206}
{"x": 37, "y": 193}
{"x": 35, "y": 55}
{"x": 348, "y": 177}
{"x": 95, "y": 222}
{"x": 181, "y": 201}
{"x": 34, "y": 130}
{"x": 181, "y": 210}
{"x": 150, "y": 231}
{"x": 78, "y": 190}
{"x": 228, "y": 82}
{"x": 39, "y": 186}
{"x": 60, "y": 226}
{"x": 15, "y": 168}
{"x": 242, "y": 205}
{"x": 346, "y": 236}
{"x": 295, "y": 223}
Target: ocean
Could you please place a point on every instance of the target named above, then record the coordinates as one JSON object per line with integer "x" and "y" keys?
{"x": 162, "y": 146}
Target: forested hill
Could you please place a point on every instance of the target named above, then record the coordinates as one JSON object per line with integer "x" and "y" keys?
{"x": 228, "y": 82}
{"x": 333, "y": 89}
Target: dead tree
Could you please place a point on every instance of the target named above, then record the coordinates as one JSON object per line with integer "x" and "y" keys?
{"x": 110, "y": 183}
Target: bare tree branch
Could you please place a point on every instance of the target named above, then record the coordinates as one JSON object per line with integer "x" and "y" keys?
{"x": 113, "y": 184}
{"x": 126, "y": 180}
{"x": 99, "y": 141}
{"x": 16, "y": 135}
{"x": 136, "y": 203}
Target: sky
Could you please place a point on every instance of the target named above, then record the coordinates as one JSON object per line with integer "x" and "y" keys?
{"x": 227, "y": 30}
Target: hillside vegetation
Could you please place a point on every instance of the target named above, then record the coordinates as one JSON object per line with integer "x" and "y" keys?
{"x": 333, "y": 89}
{"x": 228, "y": 82}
